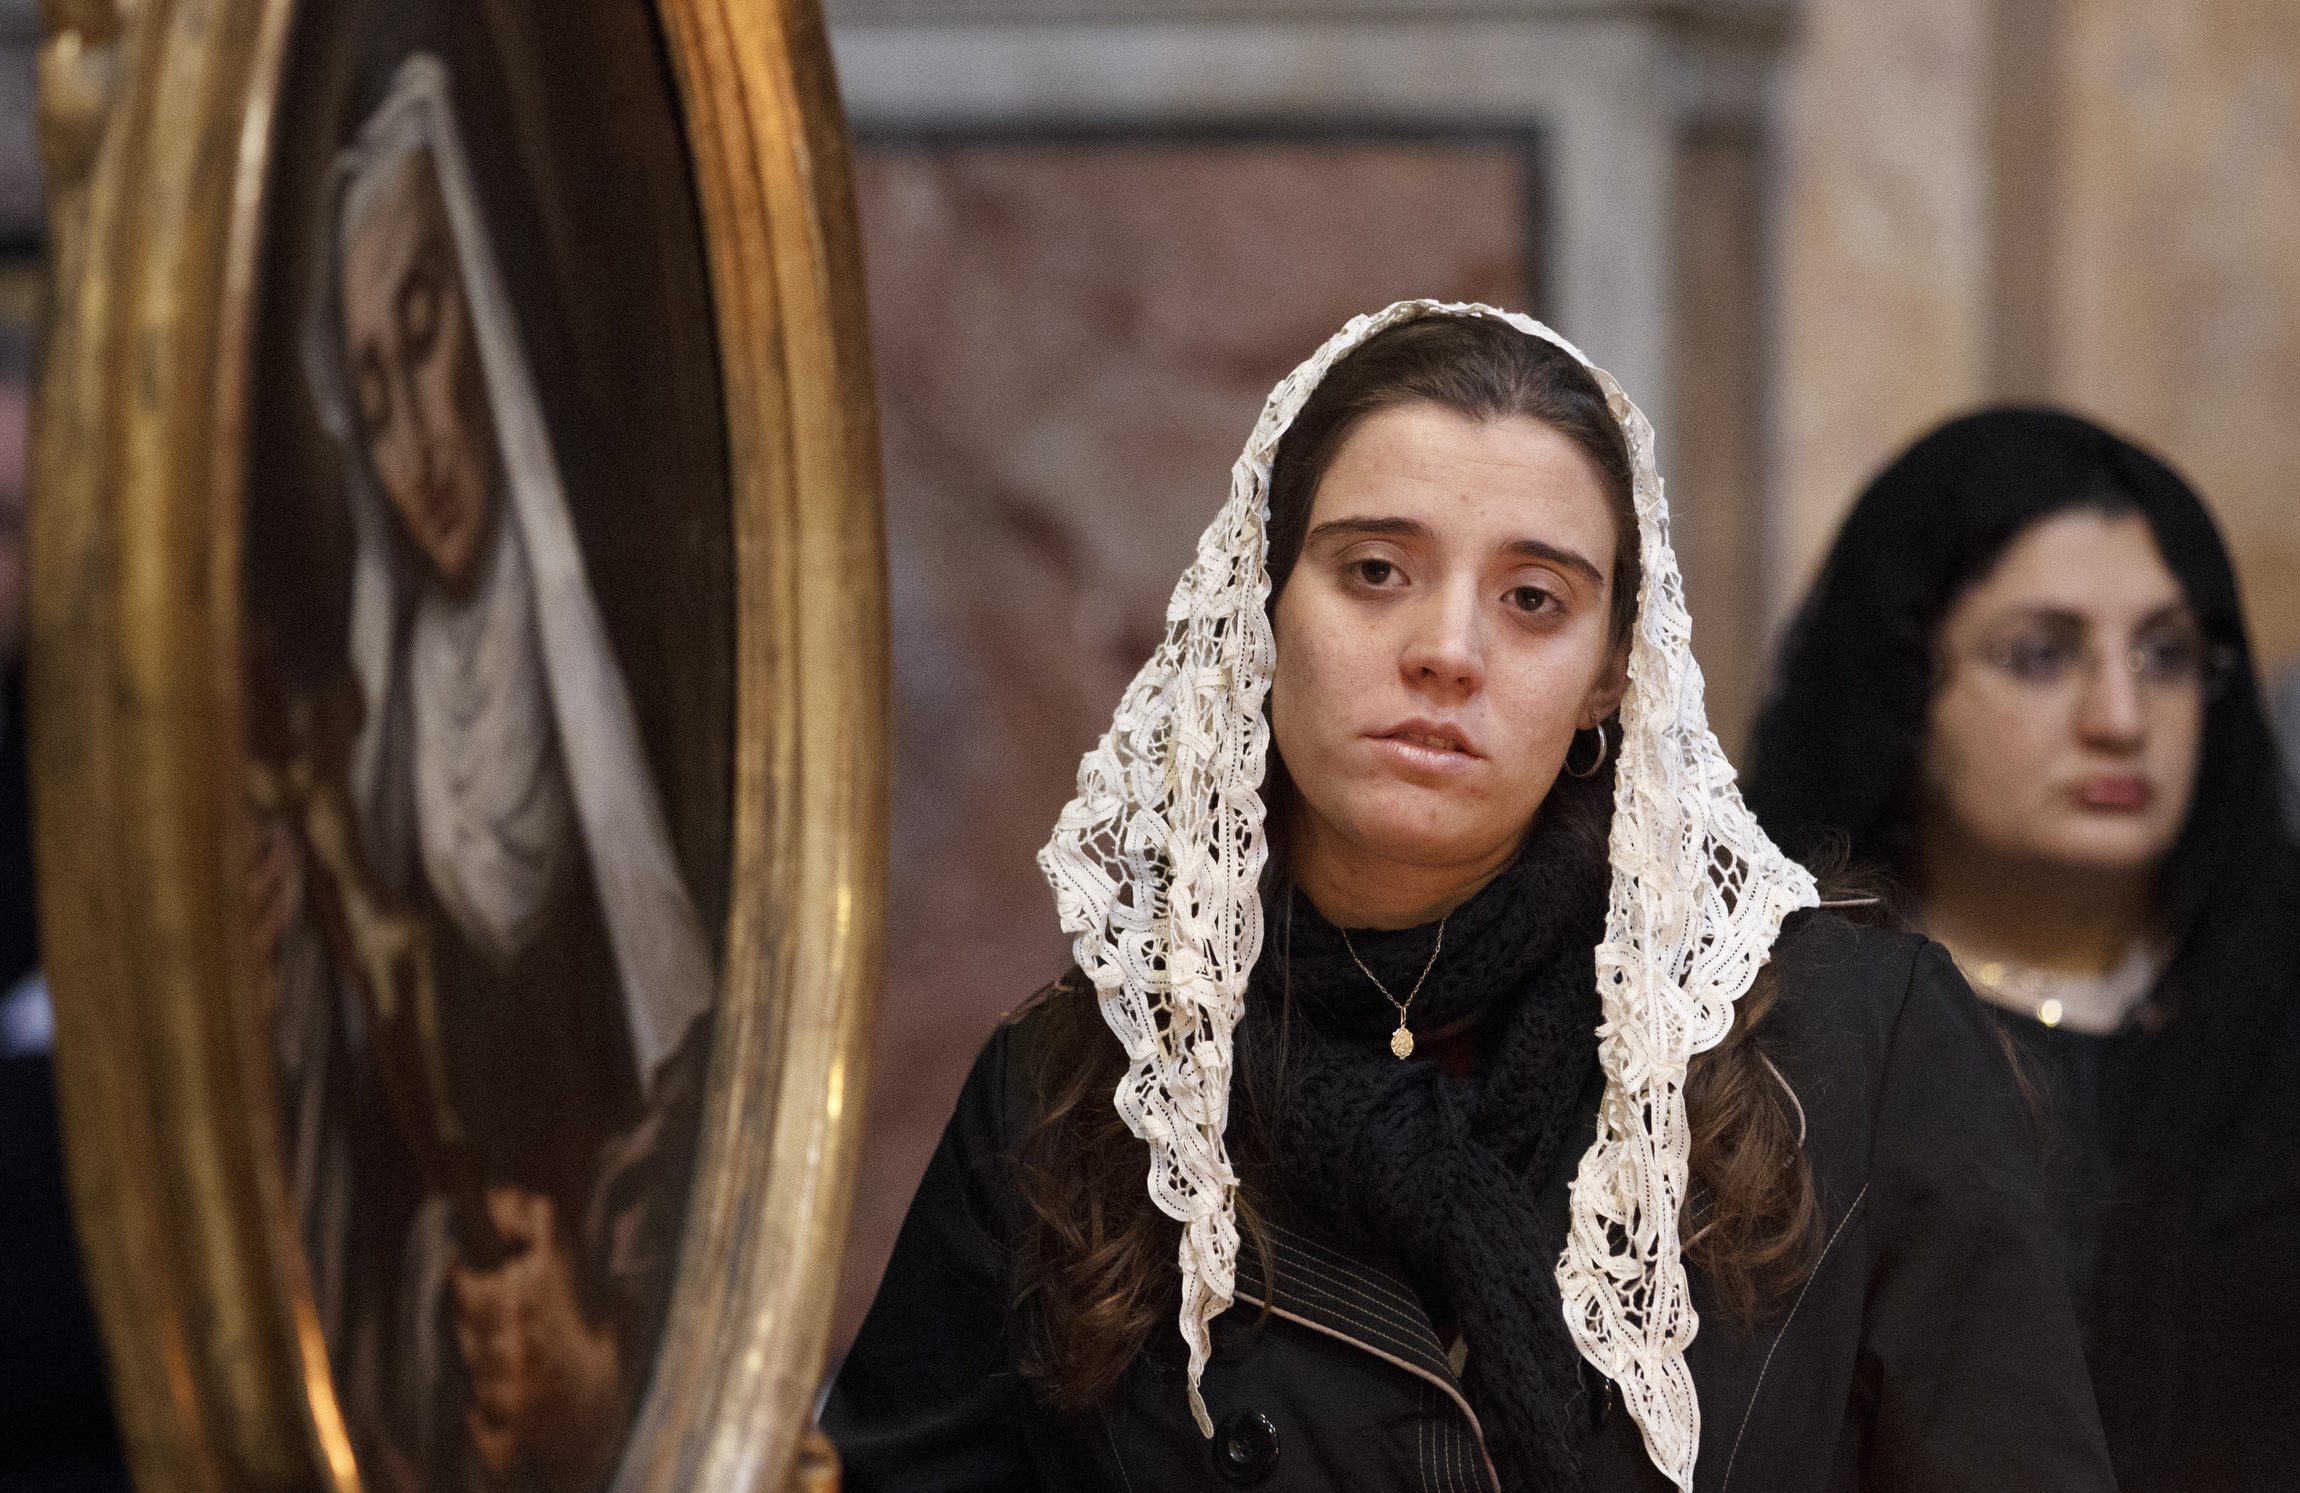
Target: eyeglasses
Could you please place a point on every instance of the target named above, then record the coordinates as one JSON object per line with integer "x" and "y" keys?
{"x": 2161, "y": 661}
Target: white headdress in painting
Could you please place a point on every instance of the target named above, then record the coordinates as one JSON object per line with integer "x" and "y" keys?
{"x": 490, "y": 721}
{"x": 1156, "y": 868}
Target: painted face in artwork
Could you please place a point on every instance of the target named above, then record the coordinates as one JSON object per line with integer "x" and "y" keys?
{"x": 415, "y": 372}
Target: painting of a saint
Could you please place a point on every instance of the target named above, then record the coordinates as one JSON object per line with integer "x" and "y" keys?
{"x": 490, "y": 988}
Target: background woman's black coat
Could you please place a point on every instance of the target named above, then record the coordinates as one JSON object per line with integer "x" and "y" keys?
{"x": 2193, "y": 1313}
{"x": 1932, "y": 1347}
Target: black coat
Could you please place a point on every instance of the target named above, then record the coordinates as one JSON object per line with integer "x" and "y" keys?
{"x": 1931, "y": 1348}
{"x": 2186, "y": 1136}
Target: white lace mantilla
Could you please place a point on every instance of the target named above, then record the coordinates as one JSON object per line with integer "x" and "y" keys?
{"x": 1156, "y": 866}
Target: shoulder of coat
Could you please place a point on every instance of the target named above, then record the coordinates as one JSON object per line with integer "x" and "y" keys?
{"x": 1840, "y": 978}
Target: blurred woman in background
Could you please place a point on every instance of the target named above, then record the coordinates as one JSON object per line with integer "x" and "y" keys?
{"x": 2022, "y": 688}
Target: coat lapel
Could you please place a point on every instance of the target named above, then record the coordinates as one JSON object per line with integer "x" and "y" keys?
{"x": 1362, "y": 1302}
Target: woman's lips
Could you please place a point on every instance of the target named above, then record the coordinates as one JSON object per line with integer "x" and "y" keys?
{"x": 2115, "y": 795}
{"x": 1425, "y": 746}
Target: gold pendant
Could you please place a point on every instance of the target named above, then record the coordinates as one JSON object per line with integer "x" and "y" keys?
{"x": 1402, "y": 1041}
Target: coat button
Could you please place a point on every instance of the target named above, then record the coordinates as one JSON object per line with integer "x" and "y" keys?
{"x": 1599, "y": 1391}
{"x": 1246, "y": 1447}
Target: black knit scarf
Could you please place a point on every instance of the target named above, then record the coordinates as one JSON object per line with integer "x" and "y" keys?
{"x": 1445, "y": 1172}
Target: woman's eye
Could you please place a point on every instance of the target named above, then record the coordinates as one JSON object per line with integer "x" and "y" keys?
{"x": 1374, "y": 572}
{"x": 374, "y": 393}
{"x": 419, "y": 305}
{"x": 2168, "y": 658}
{"x": 1530, "y": 598}
{"x": 2040, "y": 660}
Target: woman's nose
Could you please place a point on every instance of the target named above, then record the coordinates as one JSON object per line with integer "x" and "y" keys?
{"x": 421, "y": 430}
{"x": 1445, "y": 650}
{"x": 434, "y": 461}
{"x": 2110, "y": 711}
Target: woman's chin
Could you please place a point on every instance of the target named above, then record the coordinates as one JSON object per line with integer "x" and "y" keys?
{"x": 1405, "y": 839}
{"x": 2113, "y": 850}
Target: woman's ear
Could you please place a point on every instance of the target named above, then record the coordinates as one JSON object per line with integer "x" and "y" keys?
{"x": 1605, "y": 695}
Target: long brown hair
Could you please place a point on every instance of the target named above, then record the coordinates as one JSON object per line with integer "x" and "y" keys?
{"x": 1096, "y": 1268}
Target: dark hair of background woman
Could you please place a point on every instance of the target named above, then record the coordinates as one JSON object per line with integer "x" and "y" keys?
{"x": 2188, "y": 1330}
{"x": 1096, "y": 1277}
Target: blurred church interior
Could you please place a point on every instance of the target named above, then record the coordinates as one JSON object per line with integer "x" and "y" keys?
{"x": 1097, "y": 230}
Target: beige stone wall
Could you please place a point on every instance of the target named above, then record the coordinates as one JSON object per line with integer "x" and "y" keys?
{"x": 2170, "y": 299}
{"x": 1882, "y": 269}
{"x": 2179, "y": 307}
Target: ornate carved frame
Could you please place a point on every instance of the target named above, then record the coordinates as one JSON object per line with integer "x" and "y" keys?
{"x": 156, "y": 127}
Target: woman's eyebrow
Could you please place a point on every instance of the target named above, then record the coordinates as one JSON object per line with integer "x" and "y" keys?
{"x": 2068, "y": 619}
{"x": 1535, "y": 549}
{"x": 2045, "y": 614}
{"x": 1368, "y": 528}
{"x": 2171, "y": 611}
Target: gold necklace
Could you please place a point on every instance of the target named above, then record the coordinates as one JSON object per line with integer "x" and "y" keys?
{"x": 2088, "y": 1003}
{"x": 1401, "y": 1040}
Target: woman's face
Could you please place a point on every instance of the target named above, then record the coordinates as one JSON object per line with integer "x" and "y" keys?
{"x": 1443, "y": 635}
{"x": 2067, "y": 728}
{"x": 415, "y": 372}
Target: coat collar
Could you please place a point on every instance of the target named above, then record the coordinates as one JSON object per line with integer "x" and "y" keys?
{"x": 1361, "y": 1301}
{"x": 1364, "y": 1300}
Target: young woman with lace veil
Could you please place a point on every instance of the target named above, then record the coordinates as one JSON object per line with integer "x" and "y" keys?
{"x": 2022, "y": 688}
{"x": 1456, "y": 1090}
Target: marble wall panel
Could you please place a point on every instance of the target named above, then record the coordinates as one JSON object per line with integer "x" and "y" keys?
{"x": 2179, "y": 297}
{"x": 1883, "y": 259}
{"x": 1715, "y": 468}
{"x": 1073, "y": 340}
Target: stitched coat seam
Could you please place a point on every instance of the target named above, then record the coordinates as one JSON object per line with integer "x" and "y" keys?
{"x": 1391, "y": 1317}
{"x": 1749, "y": 1410}
{"x": 1313, "y": 1289}
{"x": 1397, "y": 1312}
{"x": 1313, "y": 1294}
{"x": 1318, "y": 1256}
{"x": 1116, "y": 1460}
{"x": 1422, "y": 1445}
{"x": 1404, "y": 1311}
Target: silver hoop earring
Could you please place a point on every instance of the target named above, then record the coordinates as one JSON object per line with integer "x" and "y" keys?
{"x": 1604, "y": 745}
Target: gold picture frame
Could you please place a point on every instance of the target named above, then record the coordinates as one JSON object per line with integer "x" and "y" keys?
{"x": 158, "y": 127}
